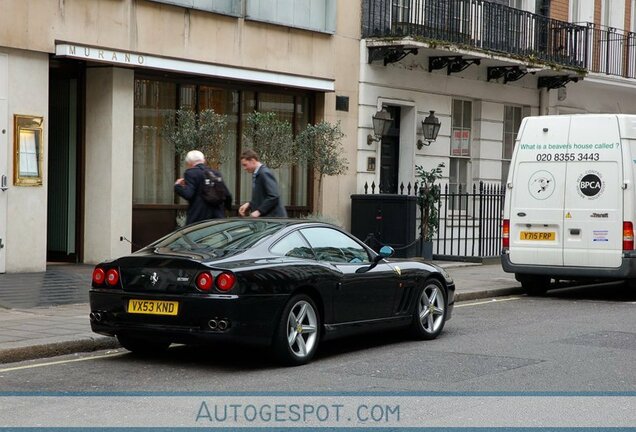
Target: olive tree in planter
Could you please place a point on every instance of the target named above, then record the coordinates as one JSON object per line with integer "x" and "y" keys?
{"x": 320, "y": 146}
{"x": 428, "y": 201}
{"x": 271, "y": 138}
{"x": 206, "y": 131}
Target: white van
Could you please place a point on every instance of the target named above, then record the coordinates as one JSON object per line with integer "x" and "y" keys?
{"x": 570, "y": 205}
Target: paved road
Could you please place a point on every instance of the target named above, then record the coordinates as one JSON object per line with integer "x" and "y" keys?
{"x": 580, "y": 339}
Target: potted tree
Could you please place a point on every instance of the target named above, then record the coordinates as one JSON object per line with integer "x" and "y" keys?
{"x": 205, "y": 131}
{"x": 428, "y": 200}
{"x": 270, "y": 137}
{"x": 320, "y": 146}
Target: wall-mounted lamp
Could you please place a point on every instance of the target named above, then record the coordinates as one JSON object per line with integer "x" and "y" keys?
{"x": 381, "y": 124}
{"x": 430, "y": 129}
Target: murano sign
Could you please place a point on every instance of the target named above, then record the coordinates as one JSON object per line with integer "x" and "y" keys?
{"x": 149, "y": 61}
{"x": 100, "y": 54}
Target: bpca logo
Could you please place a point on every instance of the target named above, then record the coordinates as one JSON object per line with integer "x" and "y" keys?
{"x": 590, "y": 185}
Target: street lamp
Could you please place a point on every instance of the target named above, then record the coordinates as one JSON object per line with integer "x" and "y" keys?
{"x": 381, "y": 124}
{"x": 430, "y": 129}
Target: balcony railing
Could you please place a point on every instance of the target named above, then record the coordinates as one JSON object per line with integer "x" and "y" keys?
{"x": 492, "y": 27}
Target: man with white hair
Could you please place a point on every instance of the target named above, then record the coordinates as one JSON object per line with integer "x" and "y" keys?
{"x": 190, "y": 186}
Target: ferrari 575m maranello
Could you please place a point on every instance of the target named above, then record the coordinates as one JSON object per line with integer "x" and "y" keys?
{"x": 288, "y": 284}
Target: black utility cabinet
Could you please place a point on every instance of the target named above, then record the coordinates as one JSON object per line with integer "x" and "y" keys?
{"x": 385, "y": 219}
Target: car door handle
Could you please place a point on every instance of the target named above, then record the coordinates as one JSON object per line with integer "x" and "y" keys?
{"x": 3, "y": 183}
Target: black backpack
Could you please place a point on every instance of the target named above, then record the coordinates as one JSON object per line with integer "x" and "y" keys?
{"x": 213, "y": 190}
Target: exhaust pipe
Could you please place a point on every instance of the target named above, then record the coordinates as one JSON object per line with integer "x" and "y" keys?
{"x": 95, "y": 316}
{"x": 213, "y": 324}
{"x": 223, "y": 325}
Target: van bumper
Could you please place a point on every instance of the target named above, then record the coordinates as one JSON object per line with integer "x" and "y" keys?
{"x": 626, "y": 270}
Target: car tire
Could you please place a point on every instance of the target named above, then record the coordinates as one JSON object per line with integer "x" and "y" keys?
{"x": 534, "y": 285}
{"x": 140, "y": 345}
{"x": 429, "y": 315}
{"x": 298, "y": 331}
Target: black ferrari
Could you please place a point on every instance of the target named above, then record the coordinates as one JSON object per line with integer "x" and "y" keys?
{"x": 285, "y": 283}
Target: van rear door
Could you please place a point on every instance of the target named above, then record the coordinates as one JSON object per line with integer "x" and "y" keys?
{"x": 593, "y": 215}
{"x": 538, "y": 191}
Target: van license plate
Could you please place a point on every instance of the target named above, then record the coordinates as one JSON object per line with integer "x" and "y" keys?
{"x": 537, "y": 235}
{"x": 153, "y": 307}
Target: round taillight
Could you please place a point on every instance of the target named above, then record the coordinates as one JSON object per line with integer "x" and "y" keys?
{"x": 204, "y": 281}
{"x": 225, "y": 281}
{"x": 112, "y": 277}
{"x": 98, "y": 276}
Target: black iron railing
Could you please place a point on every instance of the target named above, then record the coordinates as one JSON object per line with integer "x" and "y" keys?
{"x": 492, "y": 27}
{"x": 469, "y": 220}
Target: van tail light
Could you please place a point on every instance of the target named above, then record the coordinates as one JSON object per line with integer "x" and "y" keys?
{"x": 99, "y": 276}
{"x": 628, "y": 236}
{"x": 225, "y": 281}
{"x": 505, "y": 234}
{"x": 204, "y": 281}
{"x": 112, "y": 277}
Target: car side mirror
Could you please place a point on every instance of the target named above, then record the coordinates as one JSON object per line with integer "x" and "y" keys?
{"x": 385, "y": 252}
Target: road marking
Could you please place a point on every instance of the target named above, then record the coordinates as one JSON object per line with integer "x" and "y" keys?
{"x": 487, "y": 302}
{"x": 61, "y": 362}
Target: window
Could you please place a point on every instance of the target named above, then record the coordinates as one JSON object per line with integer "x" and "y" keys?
{"x": 512, "y": 121}
{"x": 581, "y": 11}
{"x": 293, "y": 245}
{"x": 155, "y": 165}
{"x": 317, "y": 15}
{"x": 219, "y": 238}
{"x": 153, "y": 158}
{"x": 229, "y": 7}
{"x": 333, "y": 246}
{"x": 461, "y": 131}
{"x": 401, "y": 11}
{"x": 447, "y": 19}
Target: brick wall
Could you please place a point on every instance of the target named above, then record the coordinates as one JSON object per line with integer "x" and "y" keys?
{"x": 597, "y": 12}
{"x": 560, "y": 10}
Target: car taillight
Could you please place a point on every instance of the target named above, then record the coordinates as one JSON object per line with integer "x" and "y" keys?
{"x": 628, "y": 236}
{"x": 505, "y": 234}
{"x": 98, "y": 276}
{"x": 225, "y": 281}
{"x": 204, "y": 281}
{"x": 112, "y": 277}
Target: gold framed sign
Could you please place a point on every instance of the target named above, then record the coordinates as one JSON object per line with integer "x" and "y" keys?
{"x": 27, "y": 150}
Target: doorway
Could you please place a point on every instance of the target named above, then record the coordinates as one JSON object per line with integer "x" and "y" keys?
{"x": 390, "y": 154}
{"x": 65, "y": 170}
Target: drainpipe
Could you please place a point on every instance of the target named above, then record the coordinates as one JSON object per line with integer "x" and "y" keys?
{"x": 544, "y": 101}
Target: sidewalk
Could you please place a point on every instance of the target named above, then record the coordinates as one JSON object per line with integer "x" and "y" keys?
{"x": 46, "y": 314}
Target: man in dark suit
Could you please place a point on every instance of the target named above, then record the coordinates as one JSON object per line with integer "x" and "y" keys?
{"x": 266, "y": 199}
{"x": 189, "y": 187}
